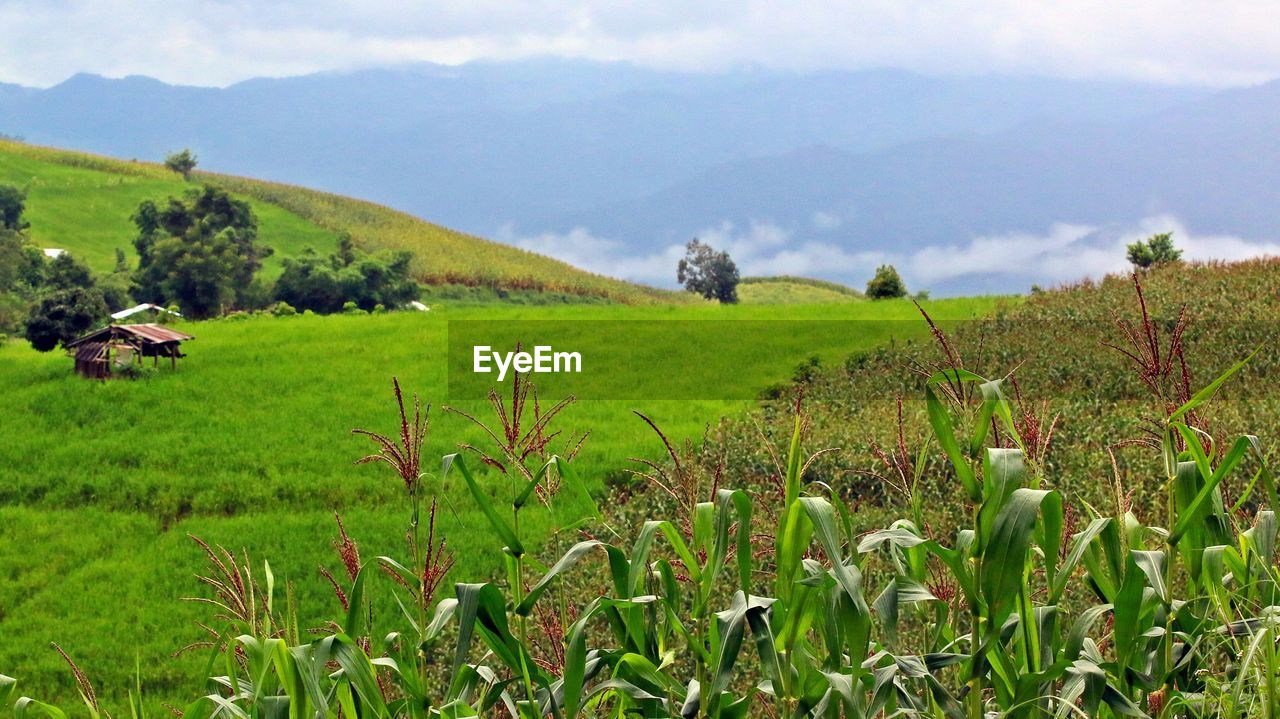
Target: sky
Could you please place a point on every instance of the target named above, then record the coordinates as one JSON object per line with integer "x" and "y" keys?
{"x": 219, "y": 42}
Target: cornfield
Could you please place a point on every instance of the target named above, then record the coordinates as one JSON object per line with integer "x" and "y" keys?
{"x": 754, "y": 605}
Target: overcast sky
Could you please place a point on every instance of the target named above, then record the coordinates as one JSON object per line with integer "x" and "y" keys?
{"x": 217, "y": 42}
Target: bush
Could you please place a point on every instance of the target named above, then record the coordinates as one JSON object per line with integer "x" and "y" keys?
{"x": 283, "y": 309}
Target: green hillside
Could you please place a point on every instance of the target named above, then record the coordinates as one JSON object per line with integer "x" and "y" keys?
{"x": 82, "y": 203}
{"x": 789, "y": 290}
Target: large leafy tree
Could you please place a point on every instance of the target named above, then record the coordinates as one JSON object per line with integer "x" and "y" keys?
{"x": 325, "y": 284}
{"x": 200, "y": 252}
{"x": 887, "y": 284}
{"x": 708, "y": 272}
{"x": 70, "y": 304}
{"x": 64, "y": 315}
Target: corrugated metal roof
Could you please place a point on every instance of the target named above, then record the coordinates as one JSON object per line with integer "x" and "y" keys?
{"x": 155, "y": 333}
{"x": 146, "y": 333}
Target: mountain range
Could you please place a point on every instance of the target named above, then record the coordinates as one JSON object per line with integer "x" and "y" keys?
{"x": 823, "y": 173}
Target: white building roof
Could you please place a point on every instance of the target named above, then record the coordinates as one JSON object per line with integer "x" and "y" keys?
{"x": 144, "y": 307}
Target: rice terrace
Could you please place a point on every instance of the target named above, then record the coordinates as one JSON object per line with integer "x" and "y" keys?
{"x": 748, "y": 387}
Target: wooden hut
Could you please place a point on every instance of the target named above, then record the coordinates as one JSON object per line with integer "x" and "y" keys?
{"x": 116, "y": 346}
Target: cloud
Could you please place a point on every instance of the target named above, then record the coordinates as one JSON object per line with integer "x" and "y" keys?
{"x": 827, "y": 221}
{"x": 1069, "y": 252}
{"x": 760, "y": 248}
{"x": 222, "y": 41}
{"x": 1008, "y": 262}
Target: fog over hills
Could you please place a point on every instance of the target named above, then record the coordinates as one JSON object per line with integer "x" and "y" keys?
{"x": 955, "y": 179}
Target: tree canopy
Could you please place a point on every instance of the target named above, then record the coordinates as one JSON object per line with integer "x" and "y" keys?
{"x": 1155, "y": 250}
{"x": 708, "y": 272}
{"x": 13, "y": 202}
{"x": 200, "y": 252}
{"x": 327, "y": 284}
{"x": 887, "y": 284}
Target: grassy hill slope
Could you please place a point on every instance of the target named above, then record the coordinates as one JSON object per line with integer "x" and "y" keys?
{"x": 82, "y": 203}
{"x": 789, "y": 290}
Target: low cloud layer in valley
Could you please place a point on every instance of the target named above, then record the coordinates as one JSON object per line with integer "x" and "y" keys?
{"x": 1013, "y": 261}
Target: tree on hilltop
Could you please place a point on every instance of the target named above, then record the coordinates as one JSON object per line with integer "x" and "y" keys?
{"x": 182, "y": 163}
{"x": 1157, "y": 249}
{"x": 708, "y": 272}
{"x": 887, "y": 284}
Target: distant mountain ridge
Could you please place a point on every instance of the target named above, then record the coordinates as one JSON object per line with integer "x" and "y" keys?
{"x": 868, "y": 163}
{"x": 485, "y": 144}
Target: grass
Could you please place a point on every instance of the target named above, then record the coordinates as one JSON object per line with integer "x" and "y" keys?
{"x": 789, "y": 290}
{"x": 82, "y": 203}
{"x": 248, "y": 444}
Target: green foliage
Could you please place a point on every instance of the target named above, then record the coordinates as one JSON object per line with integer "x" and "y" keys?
{"x": 707, "y": 272}
{"x": 200, "y": 252}
{"x": 183, "y": 163}
{"x": 69, "y": 304}
{"x": 1155, "y": 250}
{"x": 62, "y": 315}
{"x": 887, "y": 284}
{"x": 348, "y": 276}
{"x": 12, "y": 205}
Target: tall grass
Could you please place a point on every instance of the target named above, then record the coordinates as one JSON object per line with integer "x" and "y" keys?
{"x": 776, "y": 605}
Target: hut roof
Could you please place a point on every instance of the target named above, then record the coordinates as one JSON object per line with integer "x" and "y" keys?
{"x": 147, "y": 334}
{"x": 144, "y": 307}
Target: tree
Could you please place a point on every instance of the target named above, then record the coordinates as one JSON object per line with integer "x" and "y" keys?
{"x": 12, "y": 204}
{"x": 327, "y": 284}
{"x": 708, "y": 272}
{"x": 64, "y": 315}
{"x": 887, "y": 284}
{"x": 22, "y": 265}
{"x": 200, "y": 252}
{"x": 182, "y": 163}
{"x": 1155, "y": 250}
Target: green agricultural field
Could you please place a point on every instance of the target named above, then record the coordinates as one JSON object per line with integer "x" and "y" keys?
{"x": 248, "y": 444}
